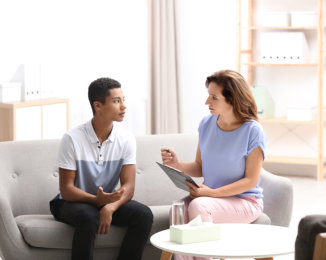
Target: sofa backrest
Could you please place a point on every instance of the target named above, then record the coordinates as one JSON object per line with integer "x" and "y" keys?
{"x": 29, "y": 180}
{"x": 153, "y": 186}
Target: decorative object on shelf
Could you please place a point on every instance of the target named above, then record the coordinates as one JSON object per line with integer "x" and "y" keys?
{"x": 10, "y": 92}
{"x": 30, "y": 76}
{"x": 252, "y": 60}
{"x": 301, "y": 113}
{"x": 275, "y": 19}
{"x": 304, "y": 19}
{"x": 264, "y": 101}
{"x": 32, "y": 82}
{"x": 283, "y": 47}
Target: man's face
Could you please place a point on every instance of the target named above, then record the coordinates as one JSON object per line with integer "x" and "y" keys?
{"x": 114, "y": 108}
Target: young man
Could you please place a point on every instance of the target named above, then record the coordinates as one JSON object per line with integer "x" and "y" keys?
{"x": 92, "y": 159}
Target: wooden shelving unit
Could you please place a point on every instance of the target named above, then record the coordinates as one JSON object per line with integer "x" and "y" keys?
{"x": 8, "y": 115}
{"x": 251, "y": 65}
{"x": 291, "y": 160}
{"x": 285, "y": 121}
{"x": 254, "y": 64}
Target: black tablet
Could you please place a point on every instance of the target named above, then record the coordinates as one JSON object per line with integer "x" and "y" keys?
{"x": 177, "y": 177}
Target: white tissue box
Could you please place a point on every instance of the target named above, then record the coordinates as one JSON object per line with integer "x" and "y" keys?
{"x": 185, "y": 234}
{"x": 10, "y": 92}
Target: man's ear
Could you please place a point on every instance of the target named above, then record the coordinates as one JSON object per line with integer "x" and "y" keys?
{"x": 97, "y": 105}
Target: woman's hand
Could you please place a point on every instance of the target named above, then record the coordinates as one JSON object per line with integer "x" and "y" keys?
{"x": 105, "y": 220}
{"x": 169, "y": 157}
{"x": 202, "y": 191}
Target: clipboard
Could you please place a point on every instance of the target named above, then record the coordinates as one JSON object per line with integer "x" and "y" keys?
{"x": 177, "y": 177}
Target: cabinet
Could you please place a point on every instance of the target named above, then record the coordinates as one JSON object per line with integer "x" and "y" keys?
{"x": 250, "y": 64}
{"x": 32, "y": 120}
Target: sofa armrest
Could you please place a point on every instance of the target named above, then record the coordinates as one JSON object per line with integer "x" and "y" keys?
{"x": 320, "y": 247}
{"x": 278, "y": 198}
{"x": 12, "y": 244}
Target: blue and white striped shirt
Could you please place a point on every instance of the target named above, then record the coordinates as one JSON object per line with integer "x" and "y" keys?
{"x": 96, "y": 164}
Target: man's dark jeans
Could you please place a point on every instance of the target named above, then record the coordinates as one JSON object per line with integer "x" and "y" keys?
{"x": 85, "y": 217}
{"x": 309, "y": 227}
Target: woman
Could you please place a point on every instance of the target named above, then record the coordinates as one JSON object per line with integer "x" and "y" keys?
{"x": 229, "y": 155}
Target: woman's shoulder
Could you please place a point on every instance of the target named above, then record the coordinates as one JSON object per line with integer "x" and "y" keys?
{"x": 208, "y": 119}
{"x": 253, "y": 124}
{"x": 254, "y": 128}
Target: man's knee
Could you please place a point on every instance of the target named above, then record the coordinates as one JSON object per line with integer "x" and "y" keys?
{"x": 88, "y": 219}
{"x": 143, "y": 216}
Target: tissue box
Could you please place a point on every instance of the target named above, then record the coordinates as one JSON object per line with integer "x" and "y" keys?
{"x": 185, "y": 234}
{"x": 10, "y": 92}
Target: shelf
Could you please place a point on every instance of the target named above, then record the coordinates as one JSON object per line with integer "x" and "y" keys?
{"x": 280, "y": 64}
{"x": 285, "y": 121}
{"x": 285, "y": 28}
{"x": 291, "y": 160}
{"x": 250, "y": 63}
{"x": 37, "y": 102}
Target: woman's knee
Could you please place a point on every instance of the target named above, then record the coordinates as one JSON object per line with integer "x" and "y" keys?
{"x": 198, "y": 207}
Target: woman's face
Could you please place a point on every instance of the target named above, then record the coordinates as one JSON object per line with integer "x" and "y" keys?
{"x": 216, "y": 101}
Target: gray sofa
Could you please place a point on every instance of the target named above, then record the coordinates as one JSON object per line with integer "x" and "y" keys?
{"x": 28, "y": 180}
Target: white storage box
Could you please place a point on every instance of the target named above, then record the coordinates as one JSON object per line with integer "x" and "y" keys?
{"x": 10, "y": 92}
{"x": 301, "y": 113}
{"x": 283, "y": 47}
{"x": 304, "y": 19}
{"x": 275, "y": 19}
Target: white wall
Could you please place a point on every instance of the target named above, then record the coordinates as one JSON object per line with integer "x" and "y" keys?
{"x": 207, "y": 43}
{"x": 76, "y": 42}
{"x": 79, "y": 41}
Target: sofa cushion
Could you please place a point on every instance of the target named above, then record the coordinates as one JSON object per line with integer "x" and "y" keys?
{"x": 263, "y": 219}
{"x": 45, "y": 232}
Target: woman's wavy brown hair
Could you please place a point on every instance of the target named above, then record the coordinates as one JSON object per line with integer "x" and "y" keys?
{"x": 236, "y": 92}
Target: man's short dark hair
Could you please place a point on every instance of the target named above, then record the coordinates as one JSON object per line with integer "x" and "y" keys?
{"x": 99, "y": 89}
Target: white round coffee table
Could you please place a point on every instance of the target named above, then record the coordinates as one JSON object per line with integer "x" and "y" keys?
{"x": 237, "y": 241}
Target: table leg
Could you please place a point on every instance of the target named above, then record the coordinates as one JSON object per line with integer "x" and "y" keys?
{"x": 166, "y": 255}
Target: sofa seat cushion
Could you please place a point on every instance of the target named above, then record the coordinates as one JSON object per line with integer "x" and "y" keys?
{"x": 45, "y": 232}
{"x": 263, "y": 219}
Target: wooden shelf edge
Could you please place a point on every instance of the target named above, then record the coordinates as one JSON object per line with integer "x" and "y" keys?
{"x": 281, "y": 28}
{"x": 291, "y": 160}
{"x": 285, "y": 121}
{"x": 281, "y": 64}
{"x": 37, "y": 102}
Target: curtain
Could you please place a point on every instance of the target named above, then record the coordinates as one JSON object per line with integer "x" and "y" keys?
{"x": 164, "y": 91}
